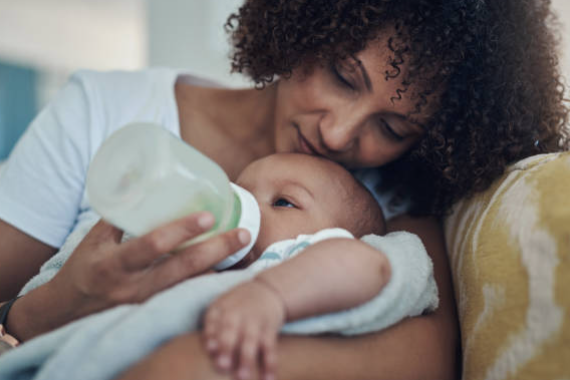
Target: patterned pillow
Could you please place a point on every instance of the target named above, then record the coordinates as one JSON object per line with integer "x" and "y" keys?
{"x": 509, "y": 250}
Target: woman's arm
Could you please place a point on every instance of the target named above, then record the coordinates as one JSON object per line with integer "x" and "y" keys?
{"x": 21, "y": 256}
{"x": 417, "y": 348}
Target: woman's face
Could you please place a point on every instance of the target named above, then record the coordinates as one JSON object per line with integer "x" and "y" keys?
{"x": 346, "y": 112}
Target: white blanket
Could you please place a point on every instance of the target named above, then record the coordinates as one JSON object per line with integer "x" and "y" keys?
{"x": 105, "y": 344}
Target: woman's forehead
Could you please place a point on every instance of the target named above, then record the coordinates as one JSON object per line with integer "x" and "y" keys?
{"x": 388, "y": 75}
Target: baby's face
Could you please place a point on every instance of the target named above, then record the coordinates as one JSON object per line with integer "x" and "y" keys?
{"x": 297, "y": 194}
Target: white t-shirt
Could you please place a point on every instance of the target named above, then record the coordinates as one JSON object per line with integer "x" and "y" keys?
{"x": 42, "y": 186}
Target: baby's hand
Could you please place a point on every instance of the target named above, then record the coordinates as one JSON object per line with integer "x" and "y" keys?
{"x": 241, "y": 329}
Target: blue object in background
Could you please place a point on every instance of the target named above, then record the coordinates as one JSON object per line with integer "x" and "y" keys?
{"x": 18, "y": 104}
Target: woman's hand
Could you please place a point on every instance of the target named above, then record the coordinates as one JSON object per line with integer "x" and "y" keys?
{"x": 103, "y": 272}
{"x": 241, "y": 329}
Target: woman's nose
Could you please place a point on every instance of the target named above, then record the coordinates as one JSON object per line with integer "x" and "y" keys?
{"x": 338, "y": 134}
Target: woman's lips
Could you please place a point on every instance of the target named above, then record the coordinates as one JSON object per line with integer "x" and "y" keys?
{"x": 306, "y": 146}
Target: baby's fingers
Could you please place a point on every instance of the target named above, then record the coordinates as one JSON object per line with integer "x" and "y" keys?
{"x": 249, "y": 353}
{"x": 211, "y": 330}
{"x": 268, "y": 357}
{"x": 227, "y": 342}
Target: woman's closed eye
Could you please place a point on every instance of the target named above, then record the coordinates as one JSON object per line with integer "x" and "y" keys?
{"x": 282, "y": 202}
{"x": 339, "y": 78}
{"x": 389, "y": 130}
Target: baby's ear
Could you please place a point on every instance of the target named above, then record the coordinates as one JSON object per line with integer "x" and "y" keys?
{"x": 369, "y": 220}
{"x": 381, "y": 228}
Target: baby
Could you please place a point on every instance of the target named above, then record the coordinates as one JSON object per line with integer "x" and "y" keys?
{"x": 297, "y": 194}
{"x": 367, "y": 285}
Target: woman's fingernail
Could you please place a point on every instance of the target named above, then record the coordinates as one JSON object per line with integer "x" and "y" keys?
{"x": 206, "y": 220}
{"x": 243, "y": 237}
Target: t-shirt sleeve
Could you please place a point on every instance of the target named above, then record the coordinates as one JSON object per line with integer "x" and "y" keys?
{"x": 42, "y": 183}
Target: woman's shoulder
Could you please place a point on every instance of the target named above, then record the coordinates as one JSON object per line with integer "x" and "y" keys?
{"x": 116, "y": 98}
{"x": 118, "y": 83}
{"x": 150, "y": 78}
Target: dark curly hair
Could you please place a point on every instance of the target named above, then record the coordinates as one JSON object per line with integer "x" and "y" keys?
{"x": 493, "y": 64}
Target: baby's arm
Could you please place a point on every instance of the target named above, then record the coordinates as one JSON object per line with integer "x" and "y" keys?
{"x": 331, "y": 275}
{"x": 241, "y": 327}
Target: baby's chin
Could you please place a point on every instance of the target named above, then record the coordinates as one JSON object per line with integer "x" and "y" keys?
{"x": 256, "y": 252}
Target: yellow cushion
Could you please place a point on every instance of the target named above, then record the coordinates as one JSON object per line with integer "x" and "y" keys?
{"x": 509, "y": 250}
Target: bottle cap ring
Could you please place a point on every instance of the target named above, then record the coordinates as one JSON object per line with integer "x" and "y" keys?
{"x": 250, "y": 219}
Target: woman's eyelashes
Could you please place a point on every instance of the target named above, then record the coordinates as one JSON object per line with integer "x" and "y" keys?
{"x": 339, "y": 78}
{"x": 282, "y": 202}
{"x": 388, "y": 130}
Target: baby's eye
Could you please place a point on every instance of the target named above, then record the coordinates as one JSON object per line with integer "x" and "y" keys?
{"x": 282, "y": 202}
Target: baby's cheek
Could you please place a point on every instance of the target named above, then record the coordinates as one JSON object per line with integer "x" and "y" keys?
{"x": 274, "y": 227}
{"x": 262, "y": 241}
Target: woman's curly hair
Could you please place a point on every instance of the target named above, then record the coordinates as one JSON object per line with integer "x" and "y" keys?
{"x": 492, "y": 64}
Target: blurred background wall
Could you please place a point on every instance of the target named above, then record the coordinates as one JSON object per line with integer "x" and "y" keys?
{"x": 43, "y": 41}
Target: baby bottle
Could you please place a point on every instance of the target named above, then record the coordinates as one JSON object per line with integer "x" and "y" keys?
{"x": 143, "y": 176}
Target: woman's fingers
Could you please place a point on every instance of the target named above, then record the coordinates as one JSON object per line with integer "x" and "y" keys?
{"x": 140, "y": 253}
{"x": 103, "y": 233}
{"x": 198, "y": 257}
{"x": 218, "y": 247}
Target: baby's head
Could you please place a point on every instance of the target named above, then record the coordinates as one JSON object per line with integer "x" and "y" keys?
{"x": 302, "y": 194}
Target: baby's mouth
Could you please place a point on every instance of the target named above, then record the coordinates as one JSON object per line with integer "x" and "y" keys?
{"x": 247, "y": 260}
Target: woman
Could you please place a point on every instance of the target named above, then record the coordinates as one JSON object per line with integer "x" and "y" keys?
{"x": 435, "y": 94}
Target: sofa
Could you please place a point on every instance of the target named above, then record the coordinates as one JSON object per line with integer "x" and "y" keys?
{"x": 509, "y": 250}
